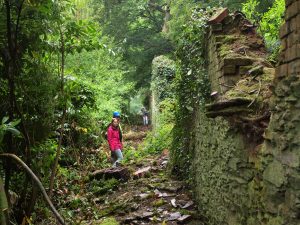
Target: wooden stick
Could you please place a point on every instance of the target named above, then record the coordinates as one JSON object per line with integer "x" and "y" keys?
{"x": 38, "y": 182}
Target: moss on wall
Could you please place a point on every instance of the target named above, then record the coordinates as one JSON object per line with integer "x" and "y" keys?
{"x": 221, "y": 170}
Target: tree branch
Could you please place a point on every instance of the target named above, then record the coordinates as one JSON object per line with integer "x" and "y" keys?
{"x": 38, "y": 182}
{"x": 18, "y": 20}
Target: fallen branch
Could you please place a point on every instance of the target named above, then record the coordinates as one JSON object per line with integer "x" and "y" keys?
{"x": 38, "y": 182}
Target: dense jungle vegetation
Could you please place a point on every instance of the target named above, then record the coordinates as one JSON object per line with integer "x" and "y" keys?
{"x": 66, "y": 65}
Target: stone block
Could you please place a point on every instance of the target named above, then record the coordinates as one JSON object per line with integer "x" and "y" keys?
{"x": 293, "y": 38}
{"x": 293, "y": 24}
{"x": 284, "y": 44}
{"x": 291, "y": 53}
{"x": 295, "y": 86}
{"x": 294, "y": 68}
{"x": 289, "y": 158}
{"x": 289, "y": 2}
{"x": 281, "y": 71}
{"x": 291, "y": 198}
{"x": 273, "y": 198}
{"x": 298, "y": 20}
{"x": 238, "y": 61}
{"x": 284, "y": 30}
{"x": 294, "y": 181}
{"x": 231, "y": 80}
{"x": 275, "y": 174}
{"x": 291, "y": 11}
{"x": 281, "y": 57}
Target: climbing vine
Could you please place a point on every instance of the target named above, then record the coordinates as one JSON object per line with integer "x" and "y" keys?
{"x": 192, "y": 85}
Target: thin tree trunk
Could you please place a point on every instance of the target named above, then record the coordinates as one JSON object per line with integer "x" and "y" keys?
{"x": 58, "y": 151}
{"x": 38, "y": 183}
{"x": 10, "y": 77}
{"x": 4, "y": 219}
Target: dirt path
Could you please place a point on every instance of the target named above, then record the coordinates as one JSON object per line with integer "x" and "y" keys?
{"x": 143, "y": 194}
{"x": 150, "y": 197}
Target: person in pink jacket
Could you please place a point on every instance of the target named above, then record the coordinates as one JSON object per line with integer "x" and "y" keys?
{"x": 114, "y": 141}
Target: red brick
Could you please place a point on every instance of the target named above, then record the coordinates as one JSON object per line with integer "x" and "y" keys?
{"x": 293, "y": 24}
{"x": 288, "y": 2}
{"x": 297, "y": 50}
{"x": 281, "y": 71}
{"x": 281, "y": 57}
{"x": 293, "y": 38}
{"x": 291, "y": 54}
{"x": 284, "y": 30}
{"x": 294, "y": 68}
{"x": 298, "y": 19}
{"x": 291, "y": 11}
{"x": 284, "y": 44}
{"x": 219, "y": 16}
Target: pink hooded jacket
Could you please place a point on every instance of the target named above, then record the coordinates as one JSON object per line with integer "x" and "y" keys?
{"x": 113, "y": 138}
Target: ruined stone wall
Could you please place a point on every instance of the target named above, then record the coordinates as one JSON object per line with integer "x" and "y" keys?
{"x": 245, "y": 143}
{"x": 221, "y": 171}
{"x": 281, "y": 176}
{"x": 229, "y": 160}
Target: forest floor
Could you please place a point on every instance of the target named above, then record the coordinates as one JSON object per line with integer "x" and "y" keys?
{"x": 141, "y": 191}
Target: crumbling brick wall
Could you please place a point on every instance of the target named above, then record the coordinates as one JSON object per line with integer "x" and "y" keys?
{"x": 246, "y": 168}
{"x": 228, "y": 133}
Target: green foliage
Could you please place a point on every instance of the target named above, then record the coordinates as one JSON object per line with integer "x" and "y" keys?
{"x": 269, "y": 21}
{"x": 249, "y": 8}
{"x": 8, "y": 127}
{"x": 136, "y": 29}
{"x": 163, "y": 73}
{"x": 157, "y": 141}
{"x": 44, "y": 153}
{"x": 101, "y": 187}
{"x": 109, "y": 221}
{"x": 192, "y": 85}
{"x": 99, "y": 87}
{"x": 94, "y": 82}
{"x": 180, "y": 11}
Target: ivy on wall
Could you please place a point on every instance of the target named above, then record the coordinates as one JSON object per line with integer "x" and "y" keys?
{"x": 192, "y": 85}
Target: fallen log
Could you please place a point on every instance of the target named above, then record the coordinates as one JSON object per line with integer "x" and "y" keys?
{"x": 119, "y": 173}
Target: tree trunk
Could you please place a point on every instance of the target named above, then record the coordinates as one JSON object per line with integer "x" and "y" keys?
{"x": 3, "y": 205}
{"x": 58, "y": 151}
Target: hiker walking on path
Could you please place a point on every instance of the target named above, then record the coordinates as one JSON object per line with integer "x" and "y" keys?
{"x": 145, "y": 116}
{"x": 114, "y": 138}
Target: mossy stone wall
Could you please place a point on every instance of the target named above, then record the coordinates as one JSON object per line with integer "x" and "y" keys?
{"x": 237, "y": 180}
{"x": 281, "y": 175}
{"x": 222, "y": 171}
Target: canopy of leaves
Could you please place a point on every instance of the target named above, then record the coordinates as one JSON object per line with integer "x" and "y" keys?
{"x": 136, "y": 29}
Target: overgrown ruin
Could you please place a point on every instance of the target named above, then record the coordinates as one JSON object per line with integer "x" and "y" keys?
{"x": 245, "y": 143}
